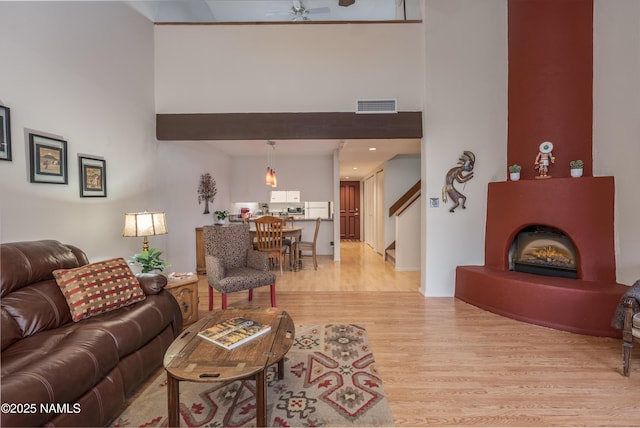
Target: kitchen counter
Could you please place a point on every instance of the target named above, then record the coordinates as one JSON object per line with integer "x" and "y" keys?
{"x": 238, "y": 219}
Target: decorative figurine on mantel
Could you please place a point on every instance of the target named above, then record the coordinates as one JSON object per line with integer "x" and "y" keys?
{"x": 207, "y": 191}
{"x": 465, "y": 163}
{"x": 544, "y": 159}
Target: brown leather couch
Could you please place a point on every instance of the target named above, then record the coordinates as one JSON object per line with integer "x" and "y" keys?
{"x": 58, "y": 372}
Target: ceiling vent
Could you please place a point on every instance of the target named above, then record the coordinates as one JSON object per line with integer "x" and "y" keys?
{"x": 376, "y": 106}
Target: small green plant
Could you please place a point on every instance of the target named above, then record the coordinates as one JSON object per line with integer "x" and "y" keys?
{"x": 221, "y": 215}
{"x": 576, "y": 164}
{"x": 149, "y": 260}
{"x": 515, "y": 168}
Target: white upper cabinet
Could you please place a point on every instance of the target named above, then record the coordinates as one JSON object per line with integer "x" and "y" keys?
{"x": 293, "y": 196}
{"x": 278, "y": 196}
{"x": 285, "y": 196}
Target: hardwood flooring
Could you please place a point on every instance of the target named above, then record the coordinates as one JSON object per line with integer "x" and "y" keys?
{"x": 446, "y": 363}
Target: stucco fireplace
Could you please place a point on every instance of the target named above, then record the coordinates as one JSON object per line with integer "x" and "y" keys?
{"x": 580, "y": 213}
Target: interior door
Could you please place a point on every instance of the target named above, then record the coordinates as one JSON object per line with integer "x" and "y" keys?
{"x": 350, "y": 210}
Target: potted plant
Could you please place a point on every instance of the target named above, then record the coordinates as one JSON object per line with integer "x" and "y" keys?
{"x": 514, "y": 172}
{"x": 221, "y": 216}
{"x": 576, "y": 168}
{"x": 149, "y": 260}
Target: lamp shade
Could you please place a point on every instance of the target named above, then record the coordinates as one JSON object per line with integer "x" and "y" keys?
{"x": 144, "y": 224}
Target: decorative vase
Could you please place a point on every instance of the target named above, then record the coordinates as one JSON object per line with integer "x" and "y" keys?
{"x": 221, "y": 221}
{"x": 514, "y": 176}
{"x": 576, "y": 172}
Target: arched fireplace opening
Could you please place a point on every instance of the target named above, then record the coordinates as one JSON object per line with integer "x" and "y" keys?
{"x": 543, "y": 250}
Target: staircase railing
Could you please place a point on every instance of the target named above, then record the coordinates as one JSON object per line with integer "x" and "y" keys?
{"x": 405, "y": 200}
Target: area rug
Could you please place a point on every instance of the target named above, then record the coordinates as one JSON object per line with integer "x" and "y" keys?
{"x": 330, "y": 380}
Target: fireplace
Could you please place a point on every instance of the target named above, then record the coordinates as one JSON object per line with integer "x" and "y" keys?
{"x": 543, "y": 250}
{"x": 529, "y": 220}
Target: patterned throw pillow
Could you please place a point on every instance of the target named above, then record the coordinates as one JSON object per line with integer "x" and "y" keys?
{"x": 98, "y": 287}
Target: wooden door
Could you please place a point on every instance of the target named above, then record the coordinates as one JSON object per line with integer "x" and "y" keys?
{"x": 350, "y": 210}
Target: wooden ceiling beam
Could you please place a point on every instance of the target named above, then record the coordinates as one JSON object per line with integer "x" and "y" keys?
{"x": 287, "y": 126}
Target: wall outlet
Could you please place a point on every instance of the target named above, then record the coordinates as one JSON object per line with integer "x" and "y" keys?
{"x": 434, "y": 202}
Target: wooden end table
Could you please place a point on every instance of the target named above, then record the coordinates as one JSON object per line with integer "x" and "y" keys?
{"x": 185, "y": 291}
{"x": 194, "y": 359}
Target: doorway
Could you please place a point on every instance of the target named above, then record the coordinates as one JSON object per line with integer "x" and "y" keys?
{"x": 350, "y": 210}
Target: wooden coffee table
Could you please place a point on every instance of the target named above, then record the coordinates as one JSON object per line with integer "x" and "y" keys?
{"x": 194, "y": 359}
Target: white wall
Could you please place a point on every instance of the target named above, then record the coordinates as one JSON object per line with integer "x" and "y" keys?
{"x": 311, "y": 175}
{"x": 466, "y": 109}
{"x": 179, "y": 167}
{"x": 616, "y": 128}
{"x": 83, "y": 72}
{"x": 286, "y": 68}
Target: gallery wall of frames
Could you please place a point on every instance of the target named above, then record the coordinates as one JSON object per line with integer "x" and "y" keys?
{"x": 48, "y": 160}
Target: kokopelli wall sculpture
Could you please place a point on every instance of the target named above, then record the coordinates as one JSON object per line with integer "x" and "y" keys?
{"x": 461, "y": 173}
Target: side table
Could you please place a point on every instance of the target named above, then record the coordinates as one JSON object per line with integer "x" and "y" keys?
{"x": 185, "y": 291}
{"x": 201, "y": 265}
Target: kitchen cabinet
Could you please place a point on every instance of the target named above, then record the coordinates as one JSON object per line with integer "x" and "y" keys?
{"x": 293, "y": 196}
{"x": 285, "y": 196}
{"x": 278, "y": 196}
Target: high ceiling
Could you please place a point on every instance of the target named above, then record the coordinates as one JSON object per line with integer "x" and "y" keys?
{"x": 356, "y": 158}
{"x": 225, "y": 11}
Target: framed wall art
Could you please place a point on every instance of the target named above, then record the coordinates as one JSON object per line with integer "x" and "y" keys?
{"x": 93, "y": 177}
{"x": 47, "y": 159}
{"x": 5, "y": 133}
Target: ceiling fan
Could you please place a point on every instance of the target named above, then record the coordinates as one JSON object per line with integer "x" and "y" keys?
{"x": 299, "y": 12}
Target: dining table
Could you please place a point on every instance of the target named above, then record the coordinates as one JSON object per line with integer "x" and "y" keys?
{"x": 292, "y": 232}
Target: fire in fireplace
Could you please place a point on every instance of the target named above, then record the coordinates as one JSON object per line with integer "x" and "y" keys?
{"x": 543, "y": 250}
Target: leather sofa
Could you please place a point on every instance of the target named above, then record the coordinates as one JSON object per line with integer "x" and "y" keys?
{"x": 59, "y": 372}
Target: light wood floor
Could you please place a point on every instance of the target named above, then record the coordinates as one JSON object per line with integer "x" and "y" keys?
{"x": 446, "y": 363}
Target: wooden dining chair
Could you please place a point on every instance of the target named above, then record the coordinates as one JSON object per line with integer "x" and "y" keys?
{"x": 288, "y": 242}
{"x": 269, "y": 234}
{"x": 310, "y": 245}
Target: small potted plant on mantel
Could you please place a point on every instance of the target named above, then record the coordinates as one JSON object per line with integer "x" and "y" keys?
{"x": 514, "y": 172}
{"x": 576, "y": 168}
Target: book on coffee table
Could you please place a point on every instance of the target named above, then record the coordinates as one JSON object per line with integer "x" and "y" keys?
{"x": 234, "y": 332}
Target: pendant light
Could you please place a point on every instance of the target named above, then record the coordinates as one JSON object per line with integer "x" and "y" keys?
{"x": 271, "y": 179}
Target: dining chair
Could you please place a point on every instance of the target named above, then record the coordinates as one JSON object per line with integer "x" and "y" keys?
{"x": 310, "y": 246}
{"x": 232, "y": 263}
{"x": 288, "y": 242}
{"x": 269, "y": 234}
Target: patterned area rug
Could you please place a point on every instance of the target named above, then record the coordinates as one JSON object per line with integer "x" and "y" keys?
{"x": 330, "y": 380}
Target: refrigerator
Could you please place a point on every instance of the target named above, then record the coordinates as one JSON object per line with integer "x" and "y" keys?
{"x": 313, "y": 210}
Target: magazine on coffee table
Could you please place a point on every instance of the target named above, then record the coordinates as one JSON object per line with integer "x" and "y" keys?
{"x": 234, "y": 332}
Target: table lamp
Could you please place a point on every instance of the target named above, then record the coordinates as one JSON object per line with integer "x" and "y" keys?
{"x": 144, "y": 224}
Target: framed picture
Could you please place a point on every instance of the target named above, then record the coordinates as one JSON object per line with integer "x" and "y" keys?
{"x": 5, "y": 133}
{"x": 47, "y": 160}
{"x": 93, "y": 177}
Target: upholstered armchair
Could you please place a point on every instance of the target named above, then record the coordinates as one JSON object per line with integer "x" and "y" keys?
{"x": 232, "y": 263}
{"x": 627, "y": 319}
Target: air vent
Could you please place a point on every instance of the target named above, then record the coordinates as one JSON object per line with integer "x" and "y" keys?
{"x": 376, "y": 106}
